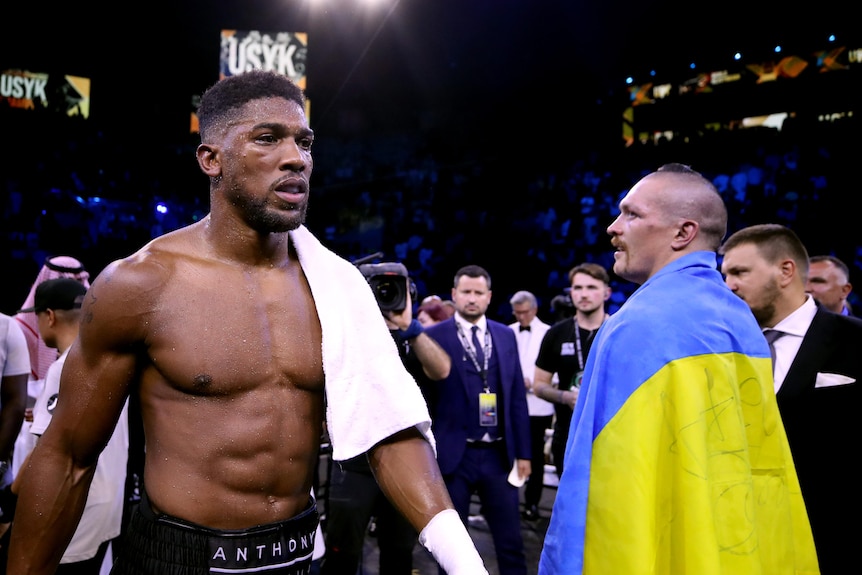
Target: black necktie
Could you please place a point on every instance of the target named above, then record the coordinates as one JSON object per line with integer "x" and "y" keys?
{"x": 524, "y": 328}
{"x": 477, "y": 348}
{"x": 771, "y": 335}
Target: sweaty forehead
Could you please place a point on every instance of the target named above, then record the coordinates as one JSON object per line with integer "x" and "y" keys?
{"x": 262, "y": 111}
{"x": 271, "y": 110}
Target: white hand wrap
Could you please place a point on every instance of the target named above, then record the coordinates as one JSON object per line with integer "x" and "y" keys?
{"x": 451, "y": 546}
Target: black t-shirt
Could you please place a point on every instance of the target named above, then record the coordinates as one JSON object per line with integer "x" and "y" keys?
{"x": 559, "y": 351}
{"x": 559, "y": 354}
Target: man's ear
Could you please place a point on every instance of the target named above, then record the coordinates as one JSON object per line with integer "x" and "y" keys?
{"x": 685, "y": 234}
{"x": 787, "y": 270}
{"x": 208, "y": 160}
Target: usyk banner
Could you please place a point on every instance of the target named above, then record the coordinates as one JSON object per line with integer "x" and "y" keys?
{"x": 66, "y": 95}
{"x": 282, "y": 52}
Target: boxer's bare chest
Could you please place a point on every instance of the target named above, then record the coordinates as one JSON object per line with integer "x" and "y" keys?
{"x": 220, "y": 330}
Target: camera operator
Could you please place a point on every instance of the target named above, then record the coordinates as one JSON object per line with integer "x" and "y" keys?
{"x": 353, "y": 495}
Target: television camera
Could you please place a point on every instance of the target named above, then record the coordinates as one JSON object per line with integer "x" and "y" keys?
{"x": 390, "y": 283}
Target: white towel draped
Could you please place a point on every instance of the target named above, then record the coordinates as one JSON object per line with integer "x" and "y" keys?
{"x": 369, "y": 393}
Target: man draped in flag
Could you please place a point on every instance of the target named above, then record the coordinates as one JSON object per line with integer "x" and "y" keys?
{"x": 677, "y": 460}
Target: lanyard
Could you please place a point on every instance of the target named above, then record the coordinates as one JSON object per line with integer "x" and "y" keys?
{"x": 578, "y": 341}
{"x": 578, "y": 346}
{"x": 486, "y": 348}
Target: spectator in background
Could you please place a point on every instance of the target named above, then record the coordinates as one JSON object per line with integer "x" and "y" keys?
{"x": 42, "y": 356}
{"x": 561, "y": 307}
{"x": 14, "y": 372}
{"x": 529, "y": 331}
{"x": 480, "y": 418}
{"x": 565, "y": 347}
{"x": 829, "y": 283}
{"x": 433, "y": 312}
{"x": 817, "y": 372}
{"x": 676, "y": 460}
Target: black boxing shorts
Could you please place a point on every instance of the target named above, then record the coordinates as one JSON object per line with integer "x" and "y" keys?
{"x": 164, "y": 545}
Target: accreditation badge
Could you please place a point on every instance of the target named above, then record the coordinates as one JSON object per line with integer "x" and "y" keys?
{"x": 577, "y": 380}
{"x": 487, "y": 409}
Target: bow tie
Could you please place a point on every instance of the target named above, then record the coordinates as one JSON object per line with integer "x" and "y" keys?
{"x": 523, "y": 328}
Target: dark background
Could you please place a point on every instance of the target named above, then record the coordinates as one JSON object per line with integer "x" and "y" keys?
{"x": 453, "y": 64}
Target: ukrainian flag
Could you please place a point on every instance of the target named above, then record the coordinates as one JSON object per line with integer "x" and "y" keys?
{"x": 677, "y": 461}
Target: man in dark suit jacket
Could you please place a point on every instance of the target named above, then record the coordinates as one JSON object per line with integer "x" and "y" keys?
{"x": 479, "y": 416}
{"x": 817, "y": 368}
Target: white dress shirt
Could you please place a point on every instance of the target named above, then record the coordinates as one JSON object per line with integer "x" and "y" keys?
{"x": 787, "y": 346}
{"x": 529, "y": 343}
{"x": 467, "y": 327}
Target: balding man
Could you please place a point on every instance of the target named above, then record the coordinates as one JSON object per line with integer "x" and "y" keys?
{"x": 675, "y": 461}
{"x": 829, "y": 283}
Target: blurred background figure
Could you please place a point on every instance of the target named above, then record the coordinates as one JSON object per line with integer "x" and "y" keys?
{"x": 829, "y": 283}
{"x": 562, "y": 307}
{"x": 42, "y": 356}
{"x": 14, "y": 371}
{"x": 529, "y": 331}
{"x": 434, "y": 311}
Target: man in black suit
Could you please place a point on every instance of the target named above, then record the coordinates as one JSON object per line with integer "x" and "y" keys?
{"x": 479, "y": 416}
{"x": 817, "y": 364}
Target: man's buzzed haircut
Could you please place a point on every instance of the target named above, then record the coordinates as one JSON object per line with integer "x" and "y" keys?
{"x": 774, "y": 242}
{"x": 697, "y": 199}
{"x": 678, "y": 168}
{"x": 225, "y": 97}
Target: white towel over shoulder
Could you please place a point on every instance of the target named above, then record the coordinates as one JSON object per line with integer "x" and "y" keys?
{"x": 369, "y": 393}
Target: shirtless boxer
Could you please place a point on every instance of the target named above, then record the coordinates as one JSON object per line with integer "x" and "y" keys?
{"x": 224, "y": 329}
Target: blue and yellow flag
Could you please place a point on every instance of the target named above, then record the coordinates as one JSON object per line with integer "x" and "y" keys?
{"x": 677, "y": 461}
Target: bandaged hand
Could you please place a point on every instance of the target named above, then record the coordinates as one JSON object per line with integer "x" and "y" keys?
{"x": 446, "y": 538}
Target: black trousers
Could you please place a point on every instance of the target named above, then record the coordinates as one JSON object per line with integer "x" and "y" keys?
{"x": 354, "y": 497}
{"x": 536, "y": 481}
